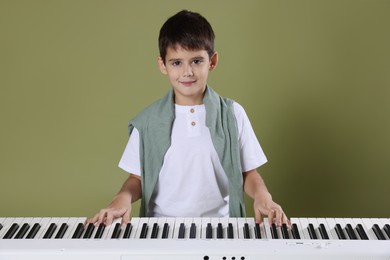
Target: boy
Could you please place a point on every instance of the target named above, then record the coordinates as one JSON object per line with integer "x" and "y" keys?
{"x": 191, "y": 153}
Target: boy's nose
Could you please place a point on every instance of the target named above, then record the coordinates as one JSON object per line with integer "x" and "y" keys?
{"x": 188, "y": 72}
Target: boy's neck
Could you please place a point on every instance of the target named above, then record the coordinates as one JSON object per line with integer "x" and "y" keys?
{"x": 188, "y": 101}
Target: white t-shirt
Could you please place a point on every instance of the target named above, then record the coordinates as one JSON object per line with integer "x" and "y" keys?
{"x": 192, "y": 182}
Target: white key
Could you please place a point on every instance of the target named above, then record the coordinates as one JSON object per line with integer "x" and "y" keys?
{"x": 136, "y": 227}
{"x": 178, "y": 222}
{"x": 267, "y": 228}
{"x": 355, "y": 222}
{"x": 187, "y": 224}
{"x": 240, "y": 225}
{"x": 299, "y": 227}
{"x": 327, "y": 228}
{"x": 72, "y": 223}
{"x": 305, "y": 227}
{"x": 160, "y": 222}
{"x": 141, "y": 223}
{"x": 110, "y": 229}
{"x": 18, "y": 221}
{"x": 332, "y": 227}
{"x": 73, "y": 228}
{"x": 43, "y": 223}
{"x": 198, "y": 224}
{"x": 59, "y": 224}
{"x": 214, "y": 224}
{"x": 151, "y": 223}
{"x": 224, "y": 222}
{"x": 382, "y": 222}
{"x": 379, "y": 222}
{"x": 251, "y": 224}
{"x": 205, "y": 221}
{"x": 370, "y": 232}
{"x": 31, "y": 222}
{"x": 7, "y": 223}
{"x": 262, "y": 231}
{"x": 171, "y": 224}
{"x": 342, "y": 223}
{"x": 316, "y": 226}
{"x": 234, "y": 222}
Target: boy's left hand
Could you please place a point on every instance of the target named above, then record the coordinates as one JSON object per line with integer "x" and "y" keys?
{"x": 267, "y": 207}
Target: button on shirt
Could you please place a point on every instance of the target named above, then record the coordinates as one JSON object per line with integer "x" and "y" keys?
{"x": 192, "y": 182}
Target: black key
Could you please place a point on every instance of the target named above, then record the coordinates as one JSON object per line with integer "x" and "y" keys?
{"x": 295, "y": 232}
{"x": 89, "y": 231}
{"x": 285, "y": 234}
{"x": 50, "y": 231}
{"x": 1, "y": 226}
{"x": 378, "y": 232}
{"x": 144, "y": 231}
{"x": 154, "y": 231}
{"x": 386, "y": 228}
{"x": 230, "y": 231}
{"x": 100, "y": 231}
{"x": 165, "y": 231}
{"x": 60, "y": 234}
{"x": 209, "y": 231}
{"x": 257, "y": 231}
{"x": 274, "y": 231}
{"x": 246, "y": 231}
{"x": 350, "y": 232}
{"x": 79, "y": 231}
{"x": 117, "y": 231}
{"x": 128, "y": 229}
{"x": 323, "y": 232}
{"x": 34, "y": 230}
{"x": 361, "y": 232}
{"x": 312, "y": 232}
{"x": 182, "y": 230}
{"x": 11, "y": 231}
{"x": 340, "y": 232}
{"x": 23, "y": 230}
{"x": 219, "y": 231}
{"x": 193, "y": 231}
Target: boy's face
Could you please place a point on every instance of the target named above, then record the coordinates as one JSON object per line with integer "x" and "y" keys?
{"x": 188, "y": 71}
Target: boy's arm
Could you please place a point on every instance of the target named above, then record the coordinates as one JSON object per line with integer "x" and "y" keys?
{"x": 121, "y": 204}
{"x": 263, "y": 204}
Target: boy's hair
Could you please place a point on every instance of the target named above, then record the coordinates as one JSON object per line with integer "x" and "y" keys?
{"x": 188, "y": 30}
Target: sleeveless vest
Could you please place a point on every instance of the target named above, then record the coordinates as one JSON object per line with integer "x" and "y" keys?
{"x": 154, "y": 125}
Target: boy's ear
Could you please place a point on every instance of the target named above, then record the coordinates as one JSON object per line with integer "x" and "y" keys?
{"x": 161, "y": 65}
{"x": 213, "y": 61}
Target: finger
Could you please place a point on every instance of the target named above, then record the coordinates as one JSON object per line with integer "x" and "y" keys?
{"x": 101, "y": 216}
{"x": 126, "y": 218}
{"x": 278, "y": 217}
{"x": 109, "y": 218}
{"x": 286, "y": 220}
{"x": 258, "y": 217}
{"x": 91, "y": 220}
{"x": 271, "y": 216}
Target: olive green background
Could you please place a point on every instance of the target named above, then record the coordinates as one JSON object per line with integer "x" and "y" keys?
{"x": 313, "y": 76}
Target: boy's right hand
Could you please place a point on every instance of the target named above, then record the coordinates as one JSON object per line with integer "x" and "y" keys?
{"x": 119, "y": 207}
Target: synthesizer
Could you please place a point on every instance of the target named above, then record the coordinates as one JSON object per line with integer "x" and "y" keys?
{"x": 194, "y": 238}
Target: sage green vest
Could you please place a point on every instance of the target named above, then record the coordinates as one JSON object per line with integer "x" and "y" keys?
{"x": 154, "y": 125}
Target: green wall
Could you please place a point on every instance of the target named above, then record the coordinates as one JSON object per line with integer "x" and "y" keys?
{"x": 313, "y": 76}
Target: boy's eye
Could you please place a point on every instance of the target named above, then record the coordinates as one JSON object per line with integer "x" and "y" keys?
{"x": 197, "y": 61}
{"x": 176, "y": 63}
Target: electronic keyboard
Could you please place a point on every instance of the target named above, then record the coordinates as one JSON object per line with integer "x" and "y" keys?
{"x": 194, "y": 238}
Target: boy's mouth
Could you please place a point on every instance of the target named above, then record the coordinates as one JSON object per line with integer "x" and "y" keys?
{"x": 188, "y": 83}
